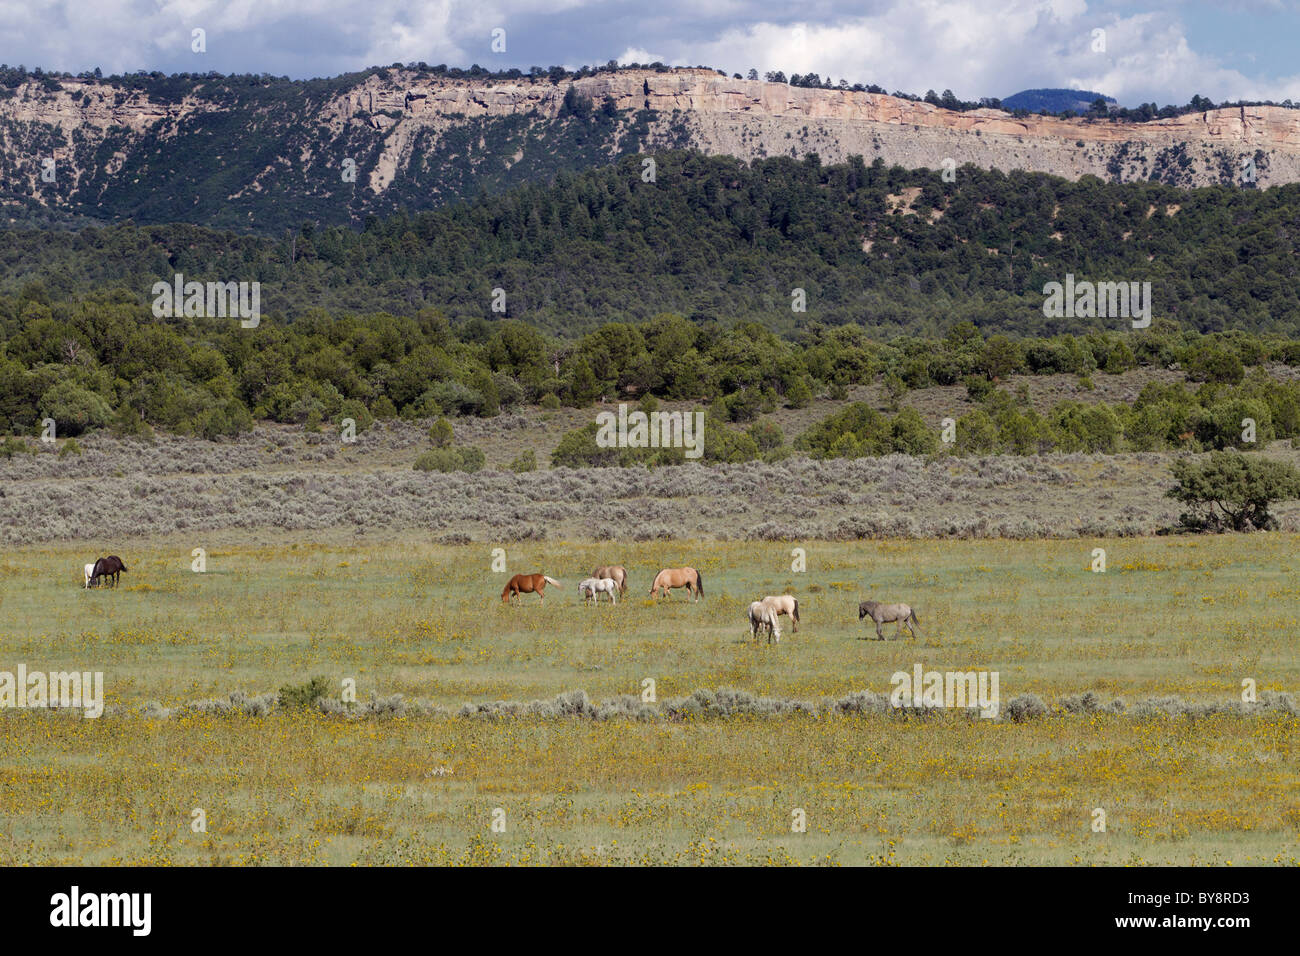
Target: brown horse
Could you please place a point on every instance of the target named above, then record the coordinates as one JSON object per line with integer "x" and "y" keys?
{"x": 527, "y": 584}
{"x": 109, "y": 567}
{"x": 687, "y": 578}
{"x": 615, "y": 571}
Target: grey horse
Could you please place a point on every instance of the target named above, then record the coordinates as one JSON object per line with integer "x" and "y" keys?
{"x": 887, "y": 613}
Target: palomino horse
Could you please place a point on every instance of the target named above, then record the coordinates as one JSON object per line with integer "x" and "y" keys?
{"x": 527, "y": 584}
{"x": 591, "y": 589}
{"x": 109, "y": 567}
{"x": 886, "y": 613}
{"x": 670, "y": 578}
{"x": 761, "y": 615}
{"x": 784, "y": 604}
{"x": 614, "y": 571}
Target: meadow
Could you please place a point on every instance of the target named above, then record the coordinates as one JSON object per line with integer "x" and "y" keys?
{"x": 1173, "y": 622}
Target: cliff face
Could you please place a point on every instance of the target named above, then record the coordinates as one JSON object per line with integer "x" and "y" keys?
{"x": 753, "y": 119}
{"x": 418, "y": 140}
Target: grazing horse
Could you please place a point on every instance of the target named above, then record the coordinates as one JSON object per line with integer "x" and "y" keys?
{"x": 784, "y": 604}
{"x": 526, "y": 584}
{"x": 614, "y": 571}
{"x": 591, "y": 588}
{"x": 886, "y": 613}
{"x": 762, "y": 615}
{"x": 670, "y": 578}
{"x": 109, "y": 567}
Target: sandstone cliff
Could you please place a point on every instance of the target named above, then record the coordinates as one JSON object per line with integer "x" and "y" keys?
{"x": 399, "y": 126}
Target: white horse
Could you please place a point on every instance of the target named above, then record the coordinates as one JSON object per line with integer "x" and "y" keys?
{"x": 90, "y": 570}
{"x": 762, "y": 615}
{"x": 591, "y": 589}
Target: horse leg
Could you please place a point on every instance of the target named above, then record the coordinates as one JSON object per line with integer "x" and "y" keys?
{"x": 880, "y": 635}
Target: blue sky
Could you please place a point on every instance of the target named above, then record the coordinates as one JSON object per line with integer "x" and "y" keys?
{"x": 1161, "y": 50}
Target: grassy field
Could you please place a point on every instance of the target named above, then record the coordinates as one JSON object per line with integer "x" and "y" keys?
{"x": 1190, "y": 617}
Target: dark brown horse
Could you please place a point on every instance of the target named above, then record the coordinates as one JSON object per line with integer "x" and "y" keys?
{"x": 109, "y": 567}
{"x": 527, "y": 584}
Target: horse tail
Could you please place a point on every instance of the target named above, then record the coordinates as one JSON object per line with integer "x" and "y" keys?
{"x": 699, "y": 583}
{"x": 795, "y": 615}
{"x": 912, "y": 615}
{"x": 550, "y": 581}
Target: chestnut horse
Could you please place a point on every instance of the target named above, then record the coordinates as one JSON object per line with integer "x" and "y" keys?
{"x": 615, "y": 571}
{"x": 527, "y": 584}
{"x": 687, "y": 578}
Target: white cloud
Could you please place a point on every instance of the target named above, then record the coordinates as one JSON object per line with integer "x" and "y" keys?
{"x": 973, "y": 47}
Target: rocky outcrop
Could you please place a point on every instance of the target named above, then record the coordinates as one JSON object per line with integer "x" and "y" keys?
{"x": 390, "y": 116}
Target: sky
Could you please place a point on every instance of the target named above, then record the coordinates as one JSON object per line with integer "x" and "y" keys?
{"x": 1159, "y": 51}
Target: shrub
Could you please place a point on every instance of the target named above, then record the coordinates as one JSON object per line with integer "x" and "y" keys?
{"x": 1210, "y": 363}
{"x": 467, "y": 458}
{"x": 14, "y": 446}
{"x": 1232, "y": 491}
{"x": 356, "y": 411}
{"x": 441, "y": 434}
{"x": 303, "y": 696}
{"x": 525, "y": 462}
{"x": 978, "y": 387}
{"x": 74, "y": 409}
{"x": 767, "y": 435}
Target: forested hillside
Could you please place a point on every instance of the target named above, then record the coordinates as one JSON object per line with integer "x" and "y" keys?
{"x": 718, "y": 240}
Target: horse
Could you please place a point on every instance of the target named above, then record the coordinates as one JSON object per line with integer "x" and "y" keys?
{"x": 784, "y": 604}
{"x": 887, "y": 613}
{"x": 670, "y": 578}
{"x": 109, "y": 567}
{"x": 591, "y": 588}
{"x": 614, "y": 571}
{"x": 527, "y": 584}
{"x": 762, "y": 615}
{"x": 89, "y": 574}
